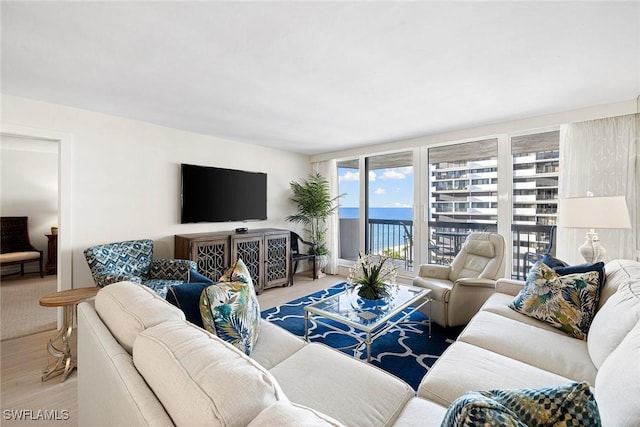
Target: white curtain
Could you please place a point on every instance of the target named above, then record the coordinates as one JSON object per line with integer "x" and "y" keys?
{"x": 600, "y": 156}
{"x": 329, "y": 170}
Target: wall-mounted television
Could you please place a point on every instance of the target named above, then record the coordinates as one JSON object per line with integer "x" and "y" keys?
{"x": 211, "y": 194}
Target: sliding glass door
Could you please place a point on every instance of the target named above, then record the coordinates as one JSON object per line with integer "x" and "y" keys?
{"x": 389, "y": 207}
{"x": 376, "y": 214}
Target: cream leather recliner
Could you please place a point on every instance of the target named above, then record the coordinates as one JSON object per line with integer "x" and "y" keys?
{"x": 459, "y": 290}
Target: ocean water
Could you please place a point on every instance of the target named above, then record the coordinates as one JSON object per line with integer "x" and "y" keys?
{"x": 378, "y": 213}
{"x": 385, "y": 236}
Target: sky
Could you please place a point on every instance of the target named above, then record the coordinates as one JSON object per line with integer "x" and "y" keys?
{"x": 389, "y": 188}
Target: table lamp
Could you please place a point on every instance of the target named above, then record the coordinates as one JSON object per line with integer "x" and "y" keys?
{"x": 592, "y": 213}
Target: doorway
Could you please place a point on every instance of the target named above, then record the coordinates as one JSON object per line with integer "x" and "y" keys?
{"x": 29, "y": 187}
{"x": 63, "y": 141}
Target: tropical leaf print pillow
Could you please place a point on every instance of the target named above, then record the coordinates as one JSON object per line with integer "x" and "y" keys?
{"x": 566, "y": 302}
{"x": 230, "y": 309}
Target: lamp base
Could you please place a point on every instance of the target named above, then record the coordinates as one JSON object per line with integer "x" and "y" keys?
{"x": 591, "y": 250}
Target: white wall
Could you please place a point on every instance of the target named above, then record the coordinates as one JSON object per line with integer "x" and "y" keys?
{"x": 125, "y": 176}
{"x": 29, "y": 187}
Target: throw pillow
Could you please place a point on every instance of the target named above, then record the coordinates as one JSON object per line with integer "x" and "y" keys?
{"x": 562, "y": 268}
{"x": 230, "y": 309}
{"x": 195, "y": 277}
{"x": 187, "y": 298}
{"x": 475, "y": 409}
{"x": 237, "y": 273}
{"x": 566, "y": 405}
{"x": 584, "y": 268}
{"x": 552, "y": 261}
{"x": 566, "y": 302}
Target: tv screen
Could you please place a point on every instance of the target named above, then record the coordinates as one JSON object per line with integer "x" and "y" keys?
{"x": 220, "y": 195}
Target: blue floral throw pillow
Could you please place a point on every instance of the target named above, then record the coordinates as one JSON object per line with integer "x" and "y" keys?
{"x": 566, "y": 302}
{"x": 568, "y": 405}
{"x": 230, "y": 309}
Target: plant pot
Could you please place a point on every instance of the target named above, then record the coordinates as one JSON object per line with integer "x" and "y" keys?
{"x": 321, "y": 262}
{"x": 368, "y": 292}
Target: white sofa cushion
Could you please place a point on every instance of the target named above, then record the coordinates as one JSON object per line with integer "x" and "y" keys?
{"x": 618, "y": 383}
{"x": 557, "y": 353}
{"x": 421, "y": 412}
{"x": 349, "y": 390}
{"x": 618, "y": 271}
{"x": 286, "y": 414}
{"x": 465, "y": 367}
{"x": 200, "y": 379}
{"x": 128, "y": 308}
{"x": 275, "y": 344}
{"x": 614, "y": 321}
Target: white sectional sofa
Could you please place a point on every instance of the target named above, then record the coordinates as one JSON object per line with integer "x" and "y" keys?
{"x": 142, "y": 364}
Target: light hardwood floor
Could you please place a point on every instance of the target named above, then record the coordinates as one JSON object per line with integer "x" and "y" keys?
{"x": 22, "y": 360}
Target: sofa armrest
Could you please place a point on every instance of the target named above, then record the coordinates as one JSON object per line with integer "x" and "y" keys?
{"x": 436, "y": 271}
{"x": 473, "y": 282}
{"x": 509, "y": 286}
{"x": 103, "y": 280}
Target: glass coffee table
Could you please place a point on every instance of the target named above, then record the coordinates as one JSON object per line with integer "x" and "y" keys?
{"x": 367, "y": 319}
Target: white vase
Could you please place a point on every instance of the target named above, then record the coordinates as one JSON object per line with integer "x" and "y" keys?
{"x": 321, "y": 262}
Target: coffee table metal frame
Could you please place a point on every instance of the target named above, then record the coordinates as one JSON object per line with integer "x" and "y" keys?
{"x": 370, "y": 327}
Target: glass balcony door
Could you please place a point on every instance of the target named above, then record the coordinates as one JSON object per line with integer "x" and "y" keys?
{"x": 376, "y": 214}
{"x": 389, "y": 205}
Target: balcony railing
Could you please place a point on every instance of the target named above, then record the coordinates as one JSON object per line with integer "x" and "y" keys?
{"x": 394, "y": 238}
{"x": 528, "y": 243}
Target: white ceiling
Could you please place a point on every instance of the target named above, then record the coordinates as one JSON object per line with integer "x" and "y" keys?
{"x": 314, "y": 77}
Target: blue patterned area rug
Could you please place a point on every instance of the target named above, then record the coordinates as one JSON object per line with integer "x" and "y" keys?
{"x": 405, "y": 351}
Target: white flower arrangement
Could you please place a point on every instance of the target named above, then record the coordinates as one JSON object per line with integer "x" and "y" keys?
{"x": 373, "y": 276}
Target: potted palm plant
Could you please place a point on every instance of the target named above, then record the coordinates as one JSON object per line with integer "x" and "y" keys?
{"x": 313, "y": 199}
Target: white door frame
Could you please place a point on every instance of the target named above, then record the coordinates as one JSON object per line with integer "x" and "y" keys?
{"x": 65, "y": 237}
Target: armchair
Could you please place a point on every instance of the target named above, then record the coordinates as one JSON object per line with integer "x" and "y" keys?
{"x": 459, "y": 290}
{"x": 296, "y": 255}
{"x": 133, "y": 261}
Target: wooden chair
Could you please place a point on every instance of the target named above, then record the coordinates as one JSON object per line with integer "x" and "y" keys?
{"x": 15, "y": 246}
{"x": 296, "y": 255}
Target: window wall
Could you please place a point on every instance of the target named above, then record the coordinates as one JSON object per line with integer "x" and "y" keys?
{"x": 507, "y": 183}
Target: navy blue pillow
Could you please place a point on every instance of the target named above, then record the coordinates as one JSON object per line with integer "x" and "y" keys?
{"x": 552, "y": 262}
{"x": 562, "y": 268}
{"x": 584, "y": 268}
{"x": 187, "y": 298}
{"x": 195, "y": 277}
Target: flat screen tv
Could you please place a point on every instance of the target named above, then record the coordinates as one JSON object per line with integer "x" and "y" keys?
{"x": 212, "y": 194}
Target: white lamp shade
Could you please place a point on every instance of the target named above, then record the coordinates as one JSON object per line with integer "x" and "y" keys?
{"x": 594, "y": 212}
